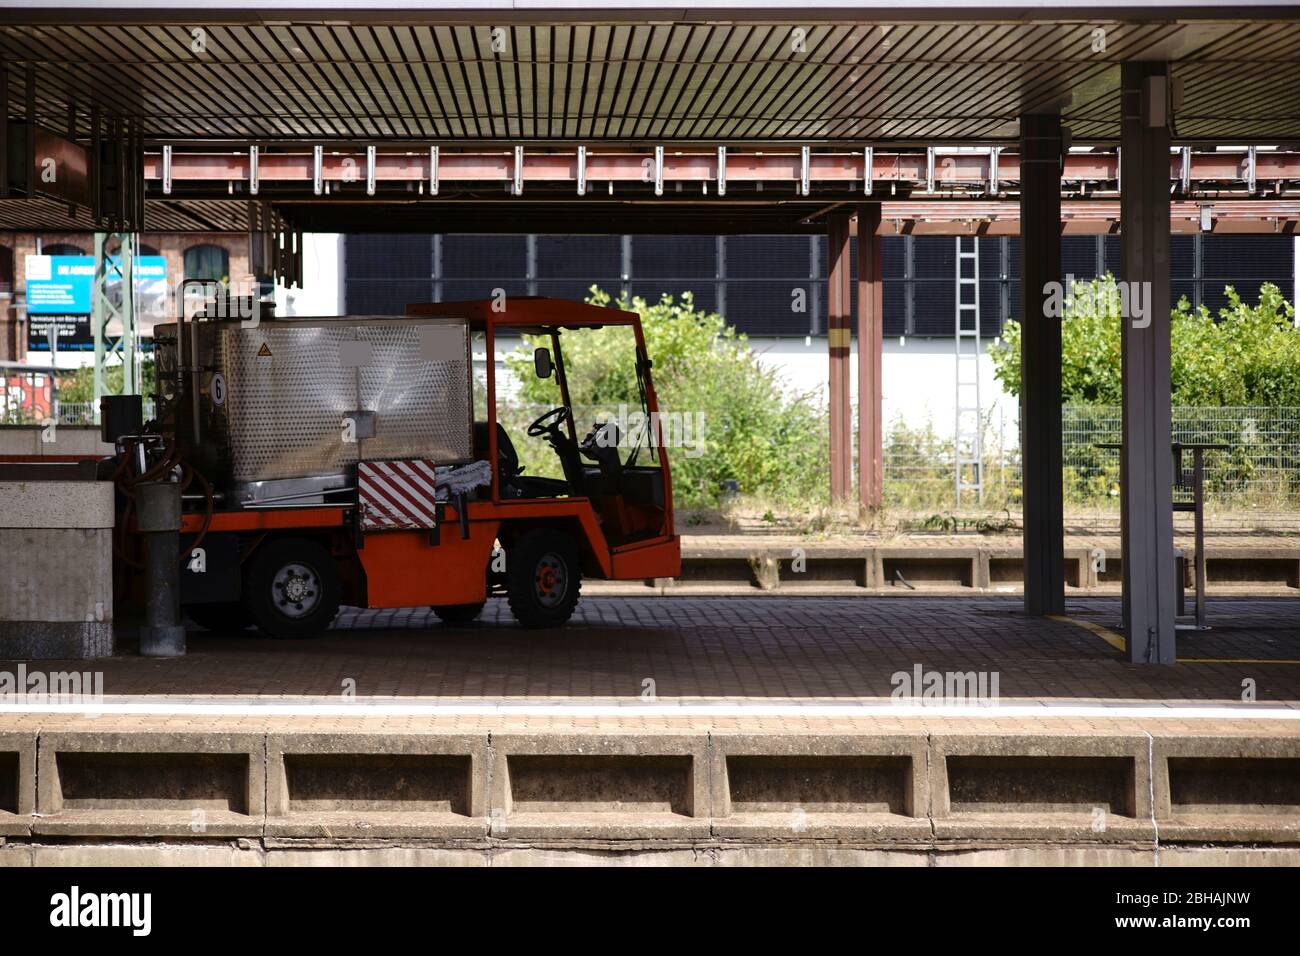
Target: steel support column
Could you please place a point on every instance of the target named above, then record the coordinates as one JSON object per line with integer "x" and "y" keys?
{"x": 1040, "y": 363}
{"x": 1146, "y": 465}
{"x": 838, "y": 342}
{"x": 870, "y": 323}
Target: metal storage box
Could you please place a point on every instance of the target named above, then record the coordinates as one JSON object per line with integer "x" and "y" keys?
{"x": 277, "y": 396}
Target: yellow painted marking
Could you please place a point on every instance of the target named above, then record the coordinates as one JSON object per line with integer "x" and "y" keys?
{"x": 1106, "y": 634}
{"x": 1117, "y": 641}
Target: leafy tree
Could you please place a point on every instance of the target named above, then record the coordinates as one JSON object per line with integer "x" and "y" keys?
{"x": 1250, "y": 355}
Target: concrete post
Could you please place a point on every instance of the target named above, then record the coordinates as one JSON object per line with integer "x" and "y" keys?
{"x": 1040, "y": 363}
{"x": 158, "y": 505}
{"x": 1146, "y": 463}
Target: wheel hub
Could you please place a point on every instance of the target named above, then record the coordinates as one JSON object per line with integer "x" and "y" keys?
{"x": 296, "y": 590}
{"x": 551, "y": 581}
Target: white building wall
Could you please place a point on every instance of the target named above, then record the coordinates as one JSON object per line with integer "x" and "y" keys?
{"x": 321, "y": 294}
{"x": 919, "y": 378}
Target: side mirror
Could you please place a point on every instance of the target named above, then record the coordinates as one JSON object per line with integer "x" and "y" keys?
{"x": 542, "y": 363}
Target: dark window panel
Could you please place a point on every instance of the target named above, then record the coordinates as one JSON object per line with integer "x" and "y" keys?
{"x": 1214, "y": 299}
{"x": 767, "y": 257}
{"x": 577, "y": 290}
{"x": 1248, "y": 289}
{"x": 823, "y": 264}
{"x": 579, "y": 257}
{"x": 706, "y": 297}
{"x": 1078, "y": 258}
{"x": 484, "y": 257}
{"x": 463, "y": 290}
{"x": 892, "y": 256}
{"x": 990, "y": 258}
{"x": 936, "y": 257}
{"x": 1182, "y": 257}
{"x": 1180, "y": 287}
{"x": 1113, "y": 255}
{"x": 385, "y": 296}
{"x": 1229, "y": 258}
{"x": 760, "y": 308}
{"x": 895, "y": 306}
{"x": 990, "y": 307}
{"x": 935, "y": 308}
{"x": 395, "y": 257}
{"x": 658, "y": 257}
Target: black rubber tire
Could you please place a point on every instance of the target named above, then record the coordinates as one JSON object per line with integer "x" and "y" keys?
{"x": 458, "y": 613}
{"x": 527, "y": 560}
{"x": 322, "y": 575}
{"x": 229, "y": 618}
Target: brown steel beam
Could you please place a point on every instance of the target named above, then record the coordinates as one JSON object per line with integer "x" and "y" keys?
{"x": 838, "y": 341}
{"x": 952, "y": 172}
{"x": 870, "y": 321}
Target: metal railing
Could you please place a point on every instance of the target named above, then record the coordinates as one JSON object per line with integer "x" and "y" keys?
{"x": 1260, "y": 467}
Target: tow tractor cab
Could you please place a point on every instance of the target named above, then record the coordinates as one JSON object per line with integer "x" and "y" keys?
{"x": 362, "y": 462}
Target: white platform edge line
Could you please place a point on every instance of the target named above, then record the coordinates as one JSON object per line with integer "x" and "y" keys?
{"x": 723, "y": 709}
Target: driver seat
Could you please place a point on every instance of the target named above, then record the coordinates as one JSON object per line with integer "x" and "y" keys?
{"x": 507, "y": 457}
{"x": 514, "y": 484}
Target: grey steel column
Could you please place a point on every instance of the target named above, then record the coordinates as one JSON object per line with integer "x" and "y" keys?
{"x": 1040, "y": 363}
{"x": 1146, "y": 461}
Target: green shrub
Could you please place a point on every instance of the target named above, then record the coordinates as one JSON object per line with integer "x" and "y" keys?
{"x": 1249, "y": 356}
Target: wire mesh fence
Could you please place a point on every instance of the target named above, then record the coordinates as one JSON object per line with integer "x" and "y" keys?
{"x": 1260, "y": 468}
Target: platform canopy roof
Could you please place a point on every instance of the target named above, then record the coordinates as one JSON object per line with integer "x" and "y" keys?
{"x": 620, "y": 74}
{"x": 738, "y": 72}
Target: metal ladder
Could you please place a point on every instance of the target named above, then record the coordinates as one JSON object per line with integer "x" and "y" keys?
{"x": 968, "y": 443}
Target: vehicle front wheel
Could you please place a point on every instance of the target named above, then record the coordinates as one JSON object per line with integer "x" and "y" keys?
{"x": 543, "y": 578}
{"x": 291, "y": 588}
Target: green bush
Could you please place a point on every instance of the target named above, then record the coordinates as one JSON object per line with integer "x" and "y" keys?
{"x": 1249, "y": 356}
{"x": 772, "y": 443}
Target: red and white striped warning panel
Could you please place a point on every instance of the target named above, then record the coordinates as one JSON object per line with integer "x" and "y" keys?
{"x": 396, "y": 495}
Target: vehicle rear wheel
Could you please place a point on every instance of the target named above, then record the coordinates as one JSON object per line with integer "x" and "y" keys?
{"x": 225, "y": 618}
{"x": 543, "y": 578}
{"x": 291, "y": 588}
{"x": 458, "y": 613}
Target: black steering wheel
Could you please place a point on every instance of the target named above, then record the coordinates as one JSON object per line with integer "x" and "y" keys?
{"x": 549, "y": 422}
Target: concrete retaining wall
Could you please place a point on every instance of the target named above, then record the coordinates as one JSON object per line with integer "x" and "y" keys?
{"x": 56, "y": 587}
{"x": 752, "y": 797}
{"x": 912, "y": 568}
{"x": 63, "y": 440}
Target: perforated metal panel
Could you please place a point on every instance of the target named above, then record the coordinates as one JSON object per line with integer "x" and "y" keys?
{"x": 291, "y": 386}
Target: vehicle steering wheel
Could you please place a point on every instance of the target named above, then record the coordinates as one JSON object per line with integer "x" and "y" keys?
{"x": 544, "y": 424}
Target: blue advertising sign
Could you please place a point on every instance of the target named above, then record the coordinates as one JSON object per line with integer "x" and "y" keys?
{"x": 60, "y": 298}
{"x": 61, "y": 285}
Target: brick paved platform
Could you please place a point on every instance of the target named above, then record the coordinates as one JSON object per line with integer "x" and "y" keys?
{"x": 757, "y": 649}
{"x": 770, "y": 738}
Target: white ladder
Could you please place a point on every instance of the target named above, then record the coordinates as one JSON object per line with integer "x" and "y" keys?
{"x": 968, "y": 443}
